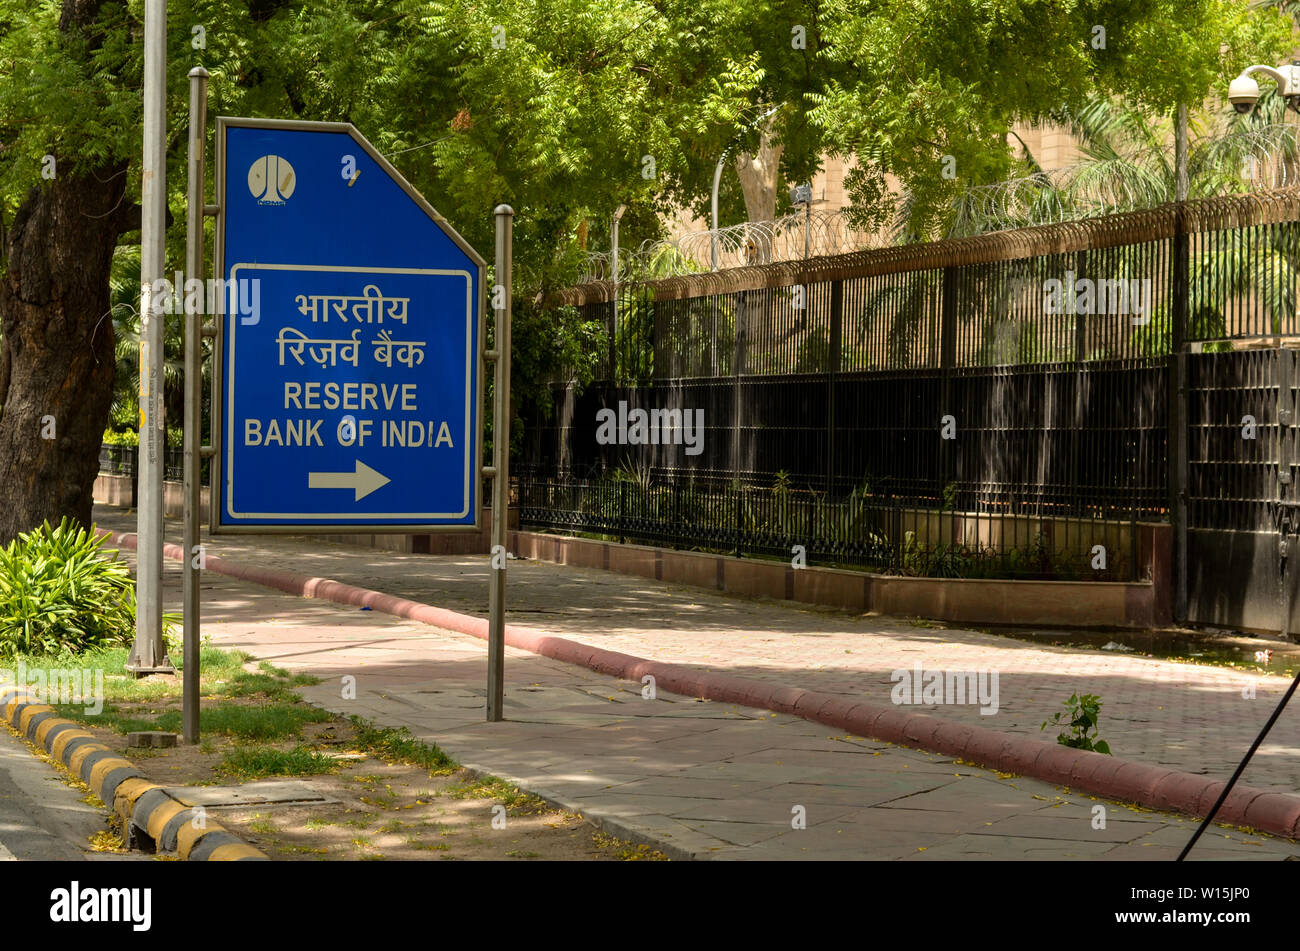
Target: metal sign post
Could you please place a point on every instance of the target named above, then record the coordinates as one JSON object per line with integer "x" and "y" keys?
{"x": 193, "y": 403}
{"x": 350, "y": 349}
{"x": 500, "y": 471}
{"x": 148, "y": 654}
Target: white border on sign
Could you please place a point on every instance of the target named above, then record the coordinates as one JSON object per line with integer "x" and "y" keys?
{"x": 469, "y": 397}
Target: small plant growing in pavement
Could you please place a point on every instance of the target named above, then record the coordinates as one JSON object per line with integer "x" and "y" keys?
{"x": 1082, "y": 715}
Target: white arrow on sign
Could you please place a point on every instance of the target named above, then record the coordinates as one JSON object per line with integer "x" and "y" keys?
{"x": 364, "y": 481}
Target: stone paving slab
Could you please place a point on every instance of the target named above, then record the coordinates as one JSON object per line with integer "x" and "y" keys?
{"x": 700, "y": 779}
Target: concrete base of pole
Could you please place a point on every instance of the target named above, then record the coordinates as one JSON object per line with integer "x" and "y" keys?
{"x": 139, "y": 672}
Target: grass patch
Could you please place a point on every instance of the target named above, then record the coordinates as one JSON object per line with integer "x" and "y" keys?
{"x": 270, "y": 681}
{"x": 217, "y": 665}
{"x": 112, "y": 717}
{"x": 305, "y": 849}
{"x": 261, "y": 761}
{"x": 223, "y": 675}
{"x": 281, "y": 717}
{"x": 516, "y": 801}
{"x": 275, "y": 721}
{"x": 399, "y": 746}
{"x": 270, "y": 722}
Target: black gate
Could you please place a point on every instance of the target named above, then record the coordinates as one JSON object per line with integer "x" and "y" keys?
{"x": 1241, "y": 486}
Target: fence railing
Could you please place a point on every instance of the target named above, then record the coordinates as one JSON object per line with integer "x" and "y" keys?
{"x": 1025, "y": 375}
{"x": 1097, "y": 289}
{"x": 117, "y": 460}
{"x": 123, "y": 461}
{"x": 842, "y": 529}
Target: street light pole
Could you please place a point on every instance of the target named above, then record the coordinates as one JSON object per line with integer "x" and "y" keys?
{"x": 613, "y": 243}
{"x": 149, "y": 655}
{"x": 713, "y": 233}
{"x": 613, "y": 274}
{"x": 1180, "y": 154}
{"x": 1243, "y": 93}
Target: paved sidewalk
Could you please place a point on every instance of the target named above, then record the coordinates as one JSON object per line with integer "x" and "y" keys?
{"x": 1189, "y": 717}
{"x": 699, "y": 779}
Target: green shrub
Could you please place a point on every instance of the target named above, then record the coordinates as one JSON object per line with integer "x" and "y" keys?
{"x": 61, "y": 593}
{"x": 113, "y": 437}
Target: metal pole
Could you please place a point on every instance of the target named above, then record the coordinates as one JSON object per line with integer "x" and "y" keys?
{"x": 713, "y": 235}
{"x": 807, "y": 227}
{"x": 1241, "y": 767}
{"x": 1178, "y": 420}
{"x": 1180, "y": 155}
{"x": 193, "y": 400}
{"x": 148, "y": 655}
{"x": 613, "y": 268}
{"x": 613, "y": 243}
{"x": 501, "y": 466}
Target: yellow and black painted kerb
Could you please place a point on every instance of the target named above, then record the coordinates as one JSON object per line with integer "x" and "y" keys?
{"x": 148, "y": 811}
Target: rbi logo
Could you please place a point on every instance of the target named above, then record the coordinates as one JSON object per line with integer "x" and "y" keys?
{"x": 271, "y": 180}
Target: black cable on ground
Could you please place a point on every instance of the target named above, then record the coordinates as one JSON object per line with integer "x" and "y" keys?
{"x": 1241, "y": 767}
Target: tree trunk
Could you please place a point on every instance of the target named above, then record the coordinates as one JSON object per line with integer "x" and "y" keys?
{"x": 760, "y": 174}
{"x": 59, "y": 347}
{"x": 57, "y": 380}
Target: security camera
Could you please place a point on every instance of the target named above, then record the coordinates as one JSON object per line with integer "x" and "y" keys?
{"x": 1243, "y": 93}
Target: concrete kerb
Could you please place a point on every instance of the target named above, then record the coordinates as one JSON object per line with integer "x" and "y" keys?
{"x": 1153, "y": 787}
{"x": 118, "y": 783}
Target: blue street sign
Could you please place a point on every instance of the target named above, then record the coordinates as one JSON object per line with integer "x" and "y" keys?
{"x": 350, "y": 344}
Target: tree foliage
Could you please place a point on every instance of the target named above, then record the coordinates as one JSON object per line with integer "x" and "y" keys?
{"x": 567, "y": 109}
{"x": 911, "y": 81}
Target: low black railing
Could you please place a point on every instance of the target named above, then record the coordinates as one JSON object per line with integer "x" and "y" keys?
{"x": 893, "y": 535}
{"x": 124, "y": 460}
{"x": 117, "y": 460}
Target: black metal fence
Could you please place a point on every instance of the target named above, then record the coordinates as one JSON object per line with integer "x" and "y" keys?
{"x": 993, "y": 405}
{"x": 1046, "y": 462}
{"x": 122, "y": 460}
{"x": 117, "y": 460}
{"x": 846, "y": 529}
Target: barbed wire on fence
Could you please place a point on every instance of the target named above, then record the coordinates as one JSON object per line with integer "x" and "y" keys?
{"x": 797, "y": 235}
{"x": 1247, "y": 160}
